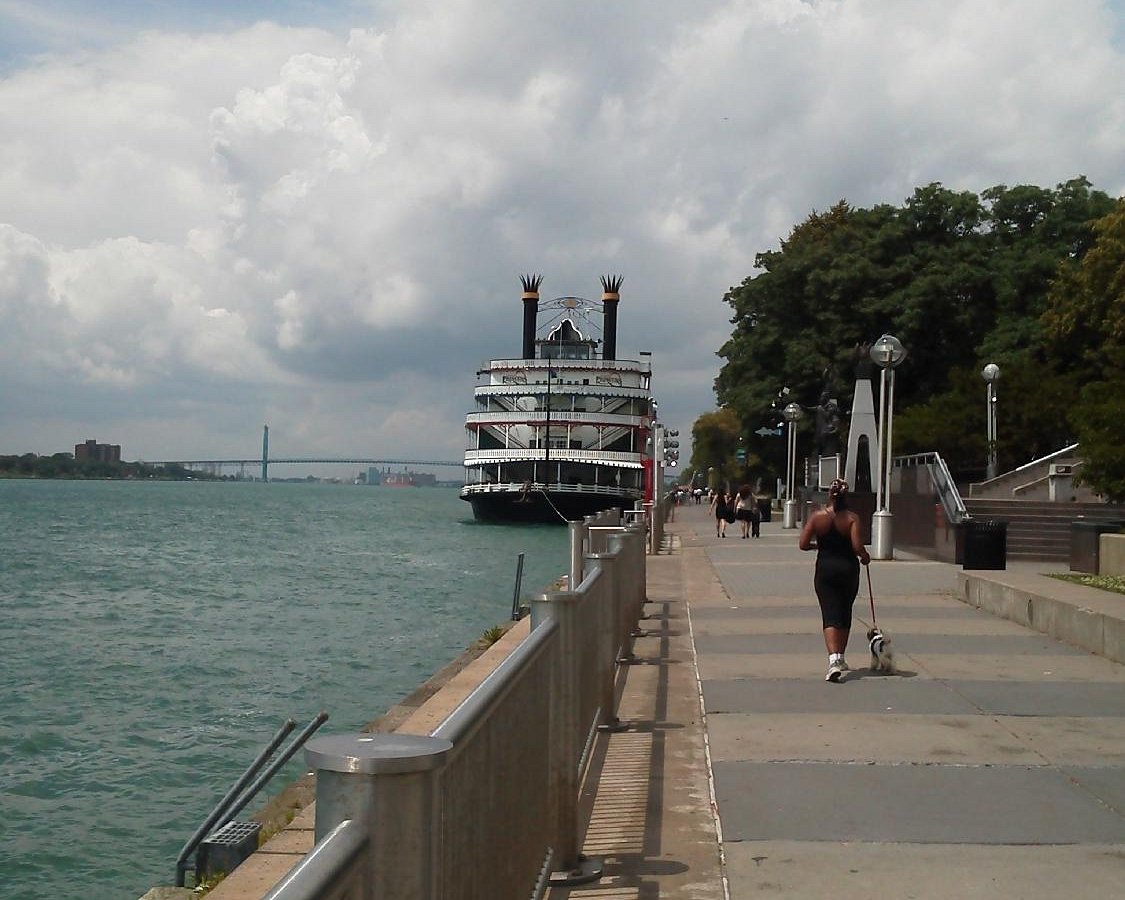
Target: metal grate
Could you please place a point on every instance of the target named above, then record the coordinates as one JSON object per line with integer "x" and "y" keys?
{"x": 226, "y": 848}
{"x": 234, "y": 833}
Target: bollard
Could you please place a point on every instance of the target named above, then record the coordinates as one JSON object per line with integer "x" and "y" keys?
{"x": 388, "y": 784}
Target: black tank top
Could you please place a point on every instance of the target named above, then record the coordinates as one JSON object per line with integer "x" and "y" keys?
{"x": 834, "y": 544}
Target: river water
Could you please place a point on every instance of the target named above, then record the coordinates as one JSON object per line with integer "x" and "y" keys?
{"x": 155, "y": 635}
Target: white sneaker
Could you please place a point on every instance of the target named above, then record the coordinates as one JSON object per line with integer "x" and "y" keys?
{"x": 836, "y": 671}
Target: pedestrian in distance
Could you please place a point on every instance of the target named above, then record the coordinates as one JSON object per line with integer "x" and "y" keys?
{"x": 834, "y": 532}
{"x": 722, "y": 509}
{"x": 742, "y": 509}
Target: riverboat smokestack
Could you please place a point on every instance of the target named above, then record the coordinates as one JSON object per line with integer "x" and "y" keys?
{"x": 530, "y": 312}
{"x": 611, "y": 296}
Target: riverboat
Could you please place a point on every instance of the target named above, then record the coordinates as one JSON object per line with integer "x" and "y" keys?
{"x": 566, "y": 429}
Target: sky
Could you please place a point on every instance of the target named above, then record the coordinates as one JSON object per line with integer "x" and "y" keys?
{"x": 314, "y": 215}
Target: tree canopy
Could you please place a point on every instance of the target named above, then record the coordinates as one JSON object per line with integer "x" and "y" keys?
{"x": 1018, "y": 276}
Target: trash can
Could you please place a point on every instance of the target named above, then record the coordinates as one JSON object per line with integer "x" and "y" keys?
{"x": 764, "y": 506}
{"x": 986, "y": 545}
{"x": 1085, "y": 543}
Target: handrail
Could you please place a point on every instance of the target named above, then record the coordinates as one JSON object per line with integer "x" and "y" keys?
{"x": 228, "y": 798}
{"x": 233, "y": 801}
{"x": 950, "y": 497}
{"x": 296, "y": 744}
{"x": 535, "y": 711}
{"x": 470, "y": 712}
{"x": 318, "y": 875}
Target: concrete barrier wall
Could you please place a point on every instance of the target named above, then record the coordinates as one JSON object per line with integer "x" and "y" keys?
{"x": 1111, "y": 554}
{"x": 1091, "y": 623}
{"x": 477, "y": 794}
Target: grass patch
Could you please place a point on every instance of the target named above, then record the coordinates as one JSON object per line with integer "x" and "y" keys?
{"x": 1115, "y": 583}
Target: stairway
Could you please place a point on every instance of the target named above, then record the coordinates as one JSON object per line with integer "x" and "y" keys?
{"x": 1040, "y": 530}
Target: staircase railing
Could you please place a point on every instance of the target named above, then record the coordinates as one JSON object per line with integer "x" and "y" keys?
{"x": 943, "y": 482}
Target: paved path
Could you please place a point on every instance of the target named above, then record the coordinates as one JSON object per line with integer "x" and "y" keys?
{"x": 993, "y": 766}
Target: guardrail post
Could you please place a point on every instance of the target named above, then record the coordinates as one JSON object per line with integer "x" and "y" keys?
{"x": 567, "y": 742}
{"x": 388, "y": 783}
{"x": 608, "y": 635}
{"x": 637, "y": 583}
{"x": 578, "y": 536}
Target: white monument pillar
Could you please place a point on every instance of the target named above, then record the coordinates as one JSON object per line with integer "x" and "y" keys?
{"x": 863, "y": 424}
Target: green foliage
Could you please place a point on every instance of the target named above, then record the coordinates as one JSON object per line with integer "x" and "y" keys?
{"x": 960, "y": 279}
{"x": 491, "y": 635}
{"x": 1115, "y": 583}
{"x": 64, "y": 465}
{"x": 1099, "y": 419}
{"x": 715, "y": 440}
{"x": 1033, "y": 413}
{"x": 1084, "y": 323}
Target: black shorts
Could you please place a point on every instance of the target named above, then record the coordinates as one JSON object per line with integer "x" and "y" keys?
{"x": 836, "y": 583}
{"x": 744, "y": 515}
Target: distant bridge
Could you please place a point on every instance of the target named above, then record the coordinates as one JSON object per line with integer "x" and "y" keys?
{"x": 265, "y": 459}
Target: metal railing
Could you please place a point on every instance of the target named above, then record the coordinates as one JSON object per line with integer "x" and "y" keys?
{"x": 486, "y": 805}
{"x": 618, "y": 458}
{"x": 239, "y": 795}
{"x": 489, "y": 487}
{"x": 944, "y": 486}
{"x": 558, "y": 417}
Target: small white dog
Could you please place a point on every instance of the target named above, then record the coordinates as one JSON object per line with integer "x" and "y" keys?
{"x": 882, "y": 653}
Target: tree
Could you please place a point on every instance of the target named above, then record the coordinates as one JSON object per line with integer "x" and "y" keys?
{"x": 1085, "y": 327}
{"x": 715, "y": 440}
{"x": 960, "y": 279}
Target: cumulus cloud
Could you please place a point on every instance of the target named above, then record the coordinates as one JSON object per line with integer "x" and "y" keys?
{"x": 322, "y": 229}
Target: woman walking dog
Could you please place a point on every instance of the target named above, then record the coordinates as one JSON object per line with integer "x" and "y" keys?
{"x": 835, "y": 534}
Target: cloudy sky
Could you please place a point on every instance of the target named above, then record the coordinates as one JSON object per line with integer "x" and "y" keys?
{"x": 219, "y": 214}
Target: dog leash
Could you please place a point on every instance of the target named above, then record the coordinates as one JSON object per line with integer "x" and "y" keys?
{"x": 871, "y": 594}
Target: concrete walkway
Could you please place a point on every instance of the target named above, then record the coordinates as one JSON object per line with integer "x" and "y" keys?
{"x": 992, "y": 766}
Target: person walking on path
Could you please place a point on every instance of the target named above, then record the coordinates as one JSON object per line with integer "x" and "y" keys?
{"x": 721, "y": 508}
{"x": 834, "y": 532}
{"x": 743, "y": 509}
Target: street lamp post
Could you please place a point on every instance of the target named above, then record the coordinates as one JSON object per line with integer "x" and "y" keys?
{"x": 991, "y": 374}
{"x": 887, "y": 353}
{"x": 791, "y": 413}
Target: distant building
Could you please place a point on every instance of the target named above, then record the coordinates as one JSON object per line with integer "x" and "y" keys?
{"x": 405, "y": 479}
{"x": 92, "y": 451}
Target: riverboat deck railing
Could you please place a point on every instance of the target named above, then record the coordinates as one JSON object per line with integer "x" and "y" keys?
{"x": 620, "y": 365}
{"x": 487, "y": 487}
{"x": 618, "y": 458}
{"x": 558, "y": 417}
{"x": 486, "y": 803}
{"x": 533, "y": 390}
